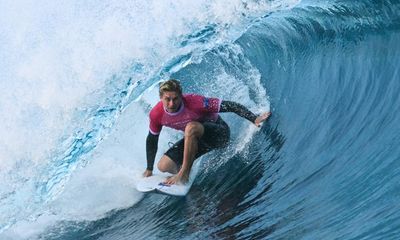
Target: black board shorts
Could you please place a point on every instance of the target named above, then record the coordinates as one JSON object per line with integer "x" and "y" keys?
{"x": 216, "y": 135}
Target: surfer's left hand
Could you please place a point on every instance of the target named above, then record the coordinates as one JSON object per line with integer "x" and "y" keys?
{"x": 176, "y": 179}
{"x": 262, "y": 118}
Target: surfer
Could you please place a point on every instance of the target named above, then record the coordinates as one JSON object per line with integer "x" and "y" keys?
{"x": 197, "y": 116}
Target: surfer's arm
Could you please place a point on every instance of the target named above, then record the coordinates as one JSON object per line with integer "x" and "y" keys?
{"x": 151, "y": 150}
{"x": 239, "y": 109}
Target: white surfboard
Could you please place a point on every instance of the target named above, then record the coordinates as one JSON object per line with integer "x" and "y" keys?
{"x": 155, "y": 183}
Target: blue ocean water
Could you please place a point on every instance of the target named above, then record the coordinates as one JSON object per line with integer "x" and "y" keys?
{"x": 79, "y": 78}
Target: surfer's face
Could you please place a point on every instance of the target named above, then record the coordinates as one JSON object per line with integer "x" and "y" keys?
{"x": 171, "y": 101}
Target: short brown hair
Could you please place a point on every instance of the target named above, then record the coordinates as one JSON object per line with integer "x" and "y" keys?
{"x": 171, "y": 85}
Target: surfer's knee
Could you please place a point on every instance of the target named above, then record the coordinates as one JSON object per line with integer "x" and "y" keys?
{"x": 162, "y": 166}
{"x": 167, "y": 165}
{"x": 194, "y": 129}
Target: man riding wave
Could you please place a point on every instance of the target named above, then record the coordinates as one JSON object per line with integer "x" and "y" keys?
{"x": 197, "y": 116}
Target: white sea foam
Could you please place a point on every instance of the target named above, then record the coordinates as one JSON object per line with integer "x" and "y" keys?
{"x": 57, "y": 59}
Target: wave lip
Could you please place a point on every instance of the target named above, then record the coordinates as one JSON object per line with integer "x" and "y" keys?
{"x": 325, "y": 166}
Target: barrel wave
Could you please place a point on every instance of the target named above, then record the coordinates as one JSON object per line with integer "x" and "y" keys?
{"x": 325, "y": 165}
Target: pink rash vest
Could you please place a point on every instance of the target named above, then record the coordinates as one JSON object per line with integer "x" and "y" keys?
{"x": 193, "y": 108}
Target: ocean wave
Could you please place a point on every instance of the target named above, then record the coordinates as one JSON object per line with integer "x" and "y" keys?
{"x": 324, "y": 166}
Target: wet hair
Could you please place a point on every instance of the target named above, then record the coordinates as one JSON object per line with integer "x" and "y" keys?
{"x": 171, "y": 85}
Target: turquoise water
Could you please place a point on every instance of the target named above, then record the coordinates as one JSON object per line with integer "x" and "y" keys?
{"x": 78, "y": 81}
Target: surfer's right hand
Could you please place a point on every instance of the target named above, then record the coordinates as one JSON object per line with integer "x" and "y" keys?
{"x": 147, "y": 173}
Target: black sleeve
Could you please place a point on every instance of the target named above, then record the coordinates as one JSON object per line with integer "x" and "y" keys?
{"x": 229, "y": 106}
{"x": 151, "y": 150}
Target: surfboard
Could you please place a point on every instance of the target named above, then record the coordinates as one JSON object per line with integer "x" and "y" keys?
{"x": 155, "y": 183}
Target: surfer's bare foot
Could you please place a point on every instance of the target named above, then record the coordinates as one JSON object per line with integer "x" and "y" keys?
{"x": 176, "y": 179}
